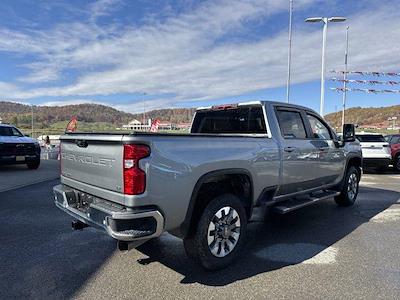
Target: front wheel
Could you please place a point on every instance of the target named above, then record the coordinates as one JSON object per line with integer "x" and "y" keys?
{"x": 349, "y": 192}
{"x": 219, "y": 236}
{"x": 33, "y": 165}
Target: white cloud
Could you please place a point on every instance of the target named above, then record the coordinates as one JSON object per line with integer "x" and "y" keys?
{"x": 71, "y": 102}
{"x": 103, "y": 8}
{"x": 189, "y": 57}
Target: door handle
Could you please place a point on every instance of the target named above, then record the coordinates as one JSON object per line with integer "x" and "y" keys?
{"x": 322, "y": 148}
{"x": 289, "y": 149}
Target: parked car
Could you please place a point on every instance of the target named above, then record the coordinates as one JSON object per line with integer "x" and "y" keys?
{"x": 375, "y": 151}
{"x": 394, "y": 142}
{"x": 15, "y": 148}
{"x": 203, "y": 186}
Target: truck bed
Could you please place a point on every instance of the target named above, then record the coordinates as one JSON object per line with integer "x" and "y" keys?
{"x": 173, "y": 168}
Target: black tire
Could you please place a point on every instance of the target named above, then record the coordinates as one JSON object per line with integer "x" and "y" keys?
{"x": 396, "y": 163}
{"x": 349, "y": 191}
{"x": 33, "y": 165}
{"x": 197, "y": 246}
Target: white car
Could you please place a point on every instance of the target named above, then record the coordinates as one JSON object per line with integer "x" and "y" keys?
{"x": 375, "y": 150}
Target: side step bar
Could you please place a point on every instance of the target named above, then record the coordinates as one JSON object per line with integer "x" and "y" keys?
{"x": 296, "y": 203}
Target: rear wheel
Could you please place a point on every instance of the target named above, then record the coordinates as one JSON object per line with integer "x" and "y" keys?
{"x": 396, "y": 163}
{"x": 219, "y": 236}
{"x": 33, "y": 165}
{"x": 349, "y": 192}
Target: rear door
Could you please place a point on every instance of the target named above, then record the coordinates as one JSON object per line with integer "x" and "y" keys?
{"x": 300, "y": 165}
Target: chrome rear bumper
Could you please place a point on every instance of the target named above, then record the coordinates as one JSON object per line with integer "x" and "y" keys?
{"x": 119, "y": 222}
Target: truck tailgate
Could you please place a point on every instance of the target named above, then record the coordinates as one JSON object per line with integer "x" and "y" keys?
{"x": 96, "y": 160}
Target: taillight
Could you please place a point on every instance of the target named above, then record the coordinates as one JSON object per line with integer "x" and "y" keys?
{"x": 134, "y": 177}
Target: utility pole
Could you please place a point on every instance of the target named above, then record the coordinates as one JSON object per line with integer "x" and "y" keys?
{"x": 144, "y": 109}
{"x": 325, "y": 22}
{"x": 345, "y": 76}
{"x": 322, "y": 102}
{"x": 290, "y": 51}
{"x": 32, "y": 119}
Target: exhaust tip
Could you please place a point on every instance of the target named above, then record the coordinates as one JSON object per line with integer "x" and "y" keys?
{"x": 122, "y": 245}
{"x": 78, "y": 225}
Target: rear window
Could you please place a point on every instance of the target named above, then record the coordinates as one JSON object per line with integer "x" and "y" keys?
{"x": 367, "y": 138}
{"x": 239, "y": 120}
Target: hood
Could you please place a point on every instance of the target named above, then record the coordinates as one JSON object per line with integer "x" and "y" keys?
{"x": 15, "y": 139}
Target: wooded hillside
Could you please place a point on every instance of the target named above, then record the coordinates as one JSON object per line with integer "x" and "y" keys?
{"x": 44, "y": 116}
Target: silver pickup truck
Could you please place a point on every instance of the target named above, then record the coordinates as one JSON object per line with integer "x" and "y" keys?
{"x": 203, "y": 186}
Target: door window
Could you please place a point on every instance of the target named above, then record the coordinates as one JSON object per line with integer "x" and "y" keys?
{"x": 395, "y": 140}
{"x": 291, "y": 124}
{"x": 319, "y": 129}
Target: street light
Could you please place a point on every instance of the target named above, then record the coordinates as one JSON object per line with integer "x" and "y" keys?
{"x": 324, "y": 20}
{"x": 289, "y": 51}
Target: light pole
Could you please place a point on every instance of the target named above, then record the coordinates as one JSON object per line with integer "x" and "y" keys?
{"x": 289, "y": 50}
{"x": 144, "y": 109}
{"x": 345, "y": 75}
{"x": 32, "y": 119}
{"x": 324, "y": 20}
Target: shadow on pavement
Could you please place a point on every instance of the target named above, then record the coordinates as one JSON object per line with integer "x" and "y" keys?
{"x": 40, "y": 256}
{"x": 388, "y": 171}
{"x": 277, "y": 242}
{"x": 17, "y": 176}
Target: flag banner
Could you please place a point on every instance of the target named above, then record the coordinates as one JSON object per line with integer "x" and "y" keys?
{"x": 368, "y": 91}
{"x": 370, "y": 82}
{"x": 154, "y": 126}
{"x": 366, "y": 73}
{"x": 72, "y": 125}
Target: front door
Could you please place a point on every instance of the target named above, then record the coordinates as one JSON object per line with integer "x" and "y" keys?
{"x": 331, "y": 157}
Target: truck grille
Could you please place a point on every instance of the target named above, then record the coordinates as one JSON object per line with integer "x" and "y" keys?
{"x": 10, "y": 149}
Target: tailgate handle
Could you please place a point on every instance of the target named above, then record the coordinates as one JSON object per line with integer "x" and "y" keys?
{"x": 81, "y": 143}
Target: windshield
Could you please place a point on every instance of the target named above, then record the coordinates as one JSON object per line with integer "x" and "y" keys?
{"x": 370, "y": 138}
{"x": 10, "y": 131}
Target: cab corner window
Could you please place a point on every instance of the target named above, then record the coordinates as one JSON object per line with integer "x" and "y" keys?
{"x": 291, "y": 124}
{"x": 319, "y": 129}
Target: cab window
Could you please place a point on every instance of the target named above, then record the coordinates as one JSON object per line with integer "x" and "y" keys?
{"x": 319, "y": 129}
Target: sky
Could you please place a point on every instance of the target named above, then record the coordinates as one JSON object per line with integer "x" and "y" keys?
{"x": 139, "y": 54}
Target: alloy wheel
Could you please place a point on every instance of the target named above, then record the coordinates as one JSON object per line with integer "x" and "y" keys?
{"x": 352, "y": 186}
{"x": 223, "y": 231}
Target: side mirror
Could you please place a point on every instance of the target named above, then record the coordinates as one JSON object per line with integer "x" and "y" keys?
{"x": 349, "y": 133}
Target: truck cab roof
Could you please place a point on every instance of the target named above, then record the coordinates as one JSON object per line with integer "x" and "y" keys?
{"x": 255, "y": 102}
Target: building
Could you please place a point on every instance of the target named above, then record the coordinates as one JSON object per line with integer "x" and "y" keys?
{"x": 137, "y": 125}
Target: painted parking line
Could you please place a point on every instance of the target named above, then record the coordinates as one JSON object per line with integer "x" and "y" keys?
{"x": 367, "y": 183}
{"x": 391, "y": 214}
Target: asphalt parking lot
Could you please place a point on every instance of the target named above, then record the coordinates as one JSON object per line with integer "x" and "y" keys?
{"x": 318, "y": 252}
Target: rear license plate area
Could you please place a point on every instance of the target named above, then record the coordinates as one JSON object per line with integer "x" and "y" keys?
{"x": 83, "y": 201}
